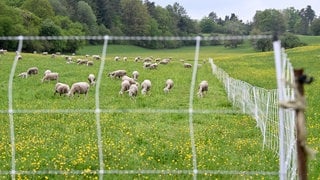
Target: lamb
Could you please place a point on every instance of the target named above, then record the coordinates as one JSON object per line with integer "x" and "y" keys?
{"x": 50, "y": 76}
{"x": 61, "y": 88}
{"x": 80, "y": 88}
{"x": 133, "y": 90}
{"x": 92, "y": 79}
{"x": 23, "y": 75}
{"x": 187, "y": 65}
{"x": 117, "y": 73}
{"x": 32, "y": 70}
{"x": 146, "y": 86}
{"x": 169, "y": 85}
{"x": 125, "y": 86}
{"x": 135, "y": 75}
{"x": 203, "y": 87}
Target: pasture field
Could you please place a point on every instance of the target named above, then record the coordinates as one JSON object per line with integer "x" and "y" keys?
{"x": 149, "y": 132}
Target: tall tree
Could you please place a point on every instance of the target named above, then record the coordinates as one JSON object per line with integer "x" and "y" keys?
{"x": 307, "y": 16}
{"x": 308, "y": 13}
{"x": 315, "y": 27}
{"x": 269, "y": 20}
{"x": 135, "y": 18}
{"x": 292, "y": 17}
{"x": 41, "y": 8}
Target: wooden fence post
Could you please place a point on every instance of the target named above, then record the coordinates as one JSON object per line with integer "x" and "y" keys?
{"x": 299, "y": 105}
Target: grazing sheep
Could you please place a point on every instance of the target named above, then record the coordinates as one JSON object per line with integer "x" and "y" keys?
{"x": 50, "y": 76}
{"x": 158, "y": 60}
{"x": 137, "y": 59}
{"x": 46, "y": 72}
{"x": 90, "y": 63}
{"x": 3, "y": 51}
{"x": 117, "y": 58}
{"x": 79, "y": 88}
{"x": 32, "y": 70}
{"x": 44, "y": 53}
{"x": 153, "y": 66}
{"x": 125, "y": 58}
{"x": 187, "y": 65}
{"x": 169, "y": 85}
{"x": 117, "y": 74}
{"x": 125, "y": 85}
{"x": 146, "y": 86}
{"x": 146, "y": 65}
{"x": 23, "y": 75}
{"x": 148, "y": 59}
{"x": 133, "y": 90}
{"x": 164, "y": 61}
{"x": 61, "y": 88}
{"x": 135, "y": 75}
{"x": 131, "y": 80}
{"x": 96, "y": 57}
{"x": 92, "y": 79}
{"x": 203, "y": 87}
{"x": 80, "y": 61}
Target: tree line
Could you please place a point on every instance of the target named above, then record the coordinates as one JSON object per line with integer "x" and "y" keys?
{"x": 141, "y": 18}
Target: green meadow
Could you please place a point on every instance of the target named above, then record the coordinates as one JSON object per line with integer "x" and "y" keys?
{"x": 151, "y": 132}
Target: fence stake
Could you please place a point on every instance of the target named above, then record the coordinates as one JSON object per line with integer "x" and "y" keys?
{"x": 300, "y": 80}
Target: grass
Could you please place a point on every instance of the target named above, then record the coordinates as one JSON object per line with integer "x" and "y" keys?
{"x": 142, "y": 140}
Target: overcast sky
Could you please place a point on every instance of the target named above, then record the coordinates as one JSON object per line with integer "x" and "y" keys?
{"x": 244, "y": 9}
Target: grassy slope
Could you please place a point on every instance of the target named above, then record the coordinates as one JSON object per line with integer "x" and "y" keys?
{"x": 143, "y": 140}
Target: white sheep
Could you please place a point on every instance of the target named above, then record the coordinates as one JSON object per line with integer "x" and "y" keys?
{"x": 125, "y": 58}
{"x": 46, "y": 72}
{"x": 131, "y": 80}
{"x": 50, "y": 76}
{"x": 125, "y": 86}
{"x": 90, "y": 63}
{"x": 146, "y": 86}
{"x": 23, "y": 75}
{"x": 146, "y": 65}
{"x": 133, "y": 90}
{"x": 136, "y": 59}
{"x": 96, "y": 57}
{"x": 79, "y": 88}
{"x": 92, "y": 79}
{"x": 153, "y": 66}
{"x": 135, "y": 75}
{"x": 117, "y": 73}
{"x": 165, "y": 61}
{"x": 187, "y": 65}
{"x": 168, "y": 86}
{"x": 117, "y": 58}
{"x": 3, "y": 51}
{"x": 32, "y": 70}
{"x": 82, "y": 61}
{"x": 61, "y": 88}
{"x": 203, "y": 87}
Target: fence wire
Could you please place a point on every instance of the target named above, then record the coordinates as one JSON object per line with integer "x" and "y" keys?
{"x": 262, "y": 104}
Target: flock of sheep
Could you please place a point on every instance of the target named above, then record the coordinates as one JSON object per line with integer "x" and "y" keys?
{"x": 129, "y": 84}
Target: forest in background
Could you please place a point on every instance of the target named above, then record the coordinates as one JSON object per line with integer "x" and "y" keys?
{"x": 141, "y": 18}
